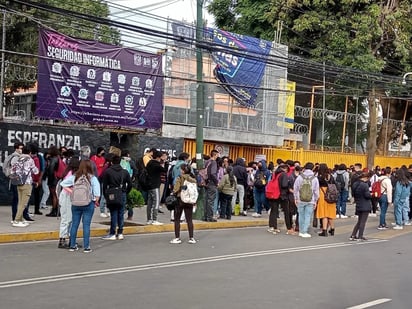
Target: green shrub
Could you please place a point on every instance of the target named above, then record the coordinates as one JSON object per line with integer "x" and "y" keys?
{"x": 134, "y": 199}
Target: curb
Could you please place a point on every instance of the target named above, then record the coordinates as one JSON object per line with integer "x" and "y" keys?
{"x": 127, "y": 230}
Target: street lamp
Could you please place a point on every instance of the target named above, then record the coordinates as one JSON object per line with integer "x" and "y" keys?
{"x": 404, "y": 77}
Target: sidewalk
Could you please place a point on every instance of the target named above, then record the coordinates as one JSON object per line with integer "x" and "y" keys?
{"x": 46, "y": 228}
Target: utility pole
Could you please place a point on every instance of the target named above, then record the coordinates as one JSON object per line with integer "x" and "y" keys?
{"x": 200, "y": 103}
{"x": 3, "y": 60}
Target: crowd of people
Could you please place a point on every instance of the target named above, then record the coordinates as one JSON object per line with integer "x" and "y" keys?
{"x": 311, "y": 194}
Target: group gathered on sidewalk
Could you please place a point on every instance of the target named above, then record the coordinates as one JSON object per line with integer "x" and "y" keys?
{"x": 309, "y": 195}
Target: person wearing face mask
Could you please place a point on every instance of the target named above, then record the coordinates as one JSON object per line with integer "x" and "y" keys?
{"x": 100, "y": 162}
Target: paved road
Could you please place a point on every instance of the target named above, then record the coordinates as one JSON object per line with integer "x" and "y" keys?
{"x": 233, "y": 268}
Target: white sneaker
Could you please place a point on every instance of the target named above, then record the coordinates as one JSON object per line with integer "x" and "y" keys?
{"x": 120, "y": 237}
{"x": 337, "y": 216}
{"x": 157, "y": 223}
{"x": 407, "y": 223}
{"x": 393, "y": 223}
{"x": 150, "y": 222}
{"x": 271, "y": 230}
{"x": 256, "y": 215}
{"x": 109, "y": 237}
{"x": 176, "y": 241}
{"x": 20, "y": 224}
{"x": 103, "y": 215}
{"x": 343, "y": 217}
{"x": 192, "y": 241}
{"x": 306, "y": 235}
{"x": 372, "y": 215}
{"x": 398, "y": 227}
{"x": 301, "y": 235}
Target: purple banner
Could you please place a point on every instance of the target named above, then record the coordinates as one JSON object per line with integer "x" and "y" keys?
{"x": 93, "y": 82}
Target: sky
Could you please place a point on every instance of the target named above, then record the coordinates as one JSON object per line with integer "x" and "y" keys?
{"x": 157, "y": 12}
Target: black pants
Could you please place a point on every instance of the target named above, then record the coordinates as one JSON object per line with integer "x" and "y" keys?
{"x": 288, "y": 211}
{"x": 188, "y": 209}
{"x": 360, "y": 225}
{"x": 374, "y": 204}
{"x": 274, "y": 212}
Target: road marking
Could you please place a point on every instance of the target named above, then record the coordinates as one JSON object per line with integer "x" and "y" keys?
{"x": 105, "y": 272}
{"x": 371, "y": 303}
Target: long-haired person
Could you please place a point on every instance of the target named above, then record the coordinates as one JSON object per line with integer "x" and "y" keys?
{"x": 83, "y": 212}
{"x": 362, "y": 196}
{"x": 186, "y": 174}
{"x": 401, "y": 199}
{"x": 324, "y": 210}
{"x": 227, "y": 189}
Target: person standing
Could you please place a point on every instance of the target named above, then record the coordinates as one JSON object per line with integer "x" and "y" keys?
{"x": 227, "y": 189}
{"x": 325, "y": 211}
{"x": 24, "y": 190}
{"x": 83, "y": 212}
{"x": 18, "y": 148}
{"x": 185, "y": 175}
{"x": 386, "y": 197}
{"x": 342, "y": 183}
{"x": 154, "y": 169}
{"x": 305, "y": 208}
{"x": 401, "y": 199}
{"x": 211, "y": 187}
{"x": 362, "y": 196}
{"x": 99, "y": 160}
{"x": 66, "y": 204}
{"x": 116, "y": 177}
{"x": 52, "y": 166}
{"x": 240, "y": 172}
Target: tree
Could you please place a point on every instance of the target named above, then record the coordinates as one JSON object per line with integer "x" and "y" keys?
{"x": 370, "y": 36}
{"x": 22, "y": 33}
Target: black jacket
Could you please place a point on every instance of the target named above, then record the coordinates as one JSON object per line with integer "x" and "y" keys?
{"x": 283, "y": 183}
{"x": 362, "y": 195}
{"x": 154, "y": 169}
{"x": 112, "y": 177}
{"x": 239, "y": 170}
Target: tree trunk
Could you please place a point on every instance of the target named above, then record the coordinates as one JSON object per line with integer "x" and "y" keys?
{"x": 371, "y": 145}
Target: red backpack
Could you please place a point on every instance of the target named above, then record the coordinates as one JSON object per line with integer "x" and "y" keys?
{"x": 61, "y": 167}
{"x": 273, "y": 188}
{"x": 376, "y": 189}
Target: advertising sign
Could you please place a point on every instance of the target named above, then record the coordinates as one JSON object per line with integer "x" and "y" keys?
{"x": 88, "y": 81}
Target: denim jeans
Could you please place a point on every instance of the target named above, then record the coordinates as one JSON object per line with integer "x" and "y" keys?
{"x": 399, "y": 209}
{"x": 86, "y": 214}
{"x": 341, "y": 203}
{"x": 260, "y": 200}
{"x": 102, "y": 203}
{"x": 46, "y": 193}
{"x": 305, "y": 210}
{"x": 405, "y": 211}
{"x": 117, "y": 217}
{"x": 383, "y": 204}
{"x": 216, "y": 204}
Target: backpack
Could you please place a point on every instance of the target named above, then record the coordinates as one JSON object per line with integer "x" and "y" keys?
{"x": 331, "y": 193}
{"x": 305, "y": 191}
{"x": 80, "y": 195}
{"x": 18, "y": 176}
{"x": 273, "y": 188}
{"x": 144, "y": 179}
{"x": 340, "y": 182}
{"x": 61, "y": 167}
{"x": 260, "y": 180}
{"x": 202, "y": 175}
{"x": 126, "y": 166}
{"x": 377, "y": 189}
{"x": 7, "y": 164}
{"x": 190, "y": 195}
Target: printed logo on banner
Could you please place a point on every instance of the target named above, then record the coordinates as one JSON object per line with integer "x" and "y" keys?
{"x": 74, "y": 71}
{"x": 147, "y": 62}
{"x": 114, "y": 98}
{"x": 129, "y": 100}
{"x": 56, "y": 68}
{"x": 155, "y": 63}
{"x": 65, "y": 91}
{"x": 135, "y": 81}
{"x": 99, "y": 96}
{"x": 149, "y": 83}
{"x": 107, "y": 76}
{"x": 121, "y": 79}
{"x": 83, "y": 93}
{"x": 91, "y": 73}
{"x": 137, "y": 59}
{"x": 142, "y": 102}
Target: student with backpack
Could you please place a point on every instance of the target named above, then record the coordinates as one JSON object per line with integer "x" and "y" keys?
{"x": 385, "y": 199}
{"x": 342, "y": 184}
{"x": 18, "y": 148}
{"x": 22, "y": 168}
{"x": 306, "y": 192}
{"x": 85, "y": 197}
{"x": 186, "y": 175}
{"x": 326, "y": 207}
{"x": 261, "y": 177}
{"x": 227, "y": 189}
{"x": 401, "y": 199}
{"x": 54, "y": 159}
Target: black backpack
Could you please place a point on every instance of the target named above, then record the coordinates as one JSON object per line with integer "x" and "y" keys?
{"x": 340, "y": 182}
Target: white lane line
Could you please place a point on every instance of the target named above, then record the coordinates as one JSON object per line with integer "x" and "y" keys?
{"x": 105, "y": 272}
{"x": 371, "y": 303}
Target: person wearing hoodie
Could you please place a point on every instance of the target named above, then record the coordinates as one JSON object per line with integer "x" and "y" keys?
{"x": 341, "y": 178}
{"x": 386, "y": 197}
{"x": 240, "y": 172}
{"x": 305, "y": 209}
{"x": 261, "y": 178}
{"x": 116, "y": 176}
